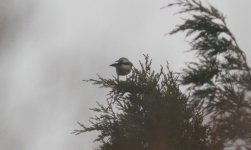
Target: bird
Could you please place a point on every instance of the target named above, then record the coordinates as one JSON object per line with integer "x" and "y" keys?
{"x": 123, "y": 67}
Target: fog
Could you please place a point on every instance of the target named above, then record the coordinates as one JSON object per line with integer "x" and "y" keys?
{"x": 47, "y": 47}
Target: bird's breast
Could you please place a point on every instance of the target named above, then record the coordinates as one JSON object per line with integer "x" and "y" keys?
{"x": 123, "y": 69}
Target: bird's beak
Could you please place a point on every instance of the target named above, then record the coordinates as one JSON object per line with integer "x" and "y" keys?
{"x": 113, "y": 65}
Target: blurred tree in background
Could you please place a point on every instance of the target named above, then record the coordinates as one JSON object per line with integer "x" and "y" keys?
{"x": 14, "y": 16}
{"x": 147, "y": 111}
{"x": 220, "y": 81}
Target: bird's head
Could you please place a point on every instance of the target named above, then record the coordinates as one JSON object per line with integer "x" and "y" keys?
{"x": 122, "y": 60}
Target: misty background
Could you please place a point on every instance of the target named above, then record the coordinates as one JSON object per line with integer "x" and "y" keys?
{"x": 47, "y": 47}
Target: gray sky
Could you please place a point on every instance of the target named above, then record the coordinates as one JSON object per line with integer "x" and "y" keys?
{"x": 48, "y": 46}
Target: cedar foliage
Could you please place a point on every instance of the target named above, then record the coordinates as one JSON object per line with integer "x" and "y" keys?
{"x": 220, "y": 81}
{"x": 146, "y": 112}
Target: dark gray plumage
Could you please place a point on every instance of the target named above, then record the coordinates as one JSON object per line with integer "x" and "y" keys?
{"x": 123, "y": 66}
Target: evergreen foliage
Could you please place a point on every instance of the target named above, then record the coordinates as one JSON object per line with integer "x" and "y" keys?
{"x": 220, "y": 80}
{"x": 147, "y": 112}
